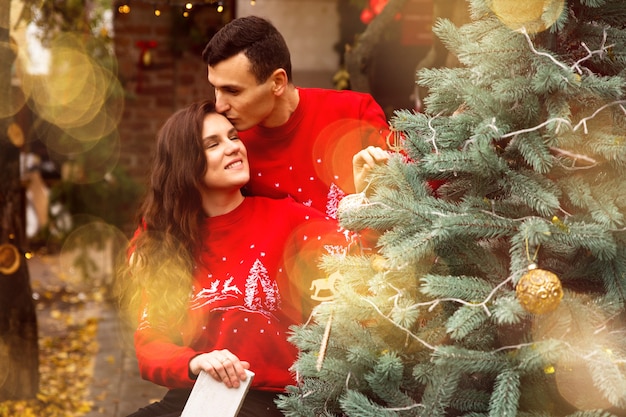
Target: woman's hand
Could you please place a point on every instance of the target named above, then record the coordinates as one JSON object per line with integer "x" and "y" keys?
{"x": 222, "y": 365}
{"x": 364, "y": 162}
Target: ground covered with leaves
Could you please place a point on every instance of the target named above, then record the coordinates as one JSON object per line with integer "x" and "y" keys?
{"x": 67, "y": 314}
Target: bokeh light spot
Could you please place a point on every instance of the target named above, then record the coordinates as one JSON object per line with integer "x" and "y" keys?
{"x": 90, "y": 251}
{"x": 334, "y": 148}
{"x": 9, "y": 107}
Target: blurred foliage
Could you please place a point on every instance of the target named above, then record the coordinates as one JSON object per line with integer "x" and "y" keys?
{"x": 93, "y": 187}
{"x": 58, "y": 16}
{"x": 112, "y": 199}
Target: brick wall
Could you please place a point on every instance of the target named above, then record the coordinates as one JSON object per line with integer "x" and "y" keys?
{"x": 173, "y": 77}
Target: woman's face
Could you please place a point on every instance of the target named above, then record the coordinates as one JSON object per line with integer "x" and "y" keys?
{"x": 226, "y": 156}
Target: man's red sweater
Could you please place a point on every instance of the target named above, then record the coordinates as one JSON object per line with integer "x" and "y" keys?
{"x": 310, "y": 157}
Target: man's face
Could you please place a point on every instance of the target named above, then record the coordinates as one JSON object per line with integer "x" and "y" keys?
{"x": 238, "y": 95}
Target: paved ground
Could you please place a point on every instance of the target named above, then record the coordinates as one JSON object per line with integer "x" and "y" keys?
{"x": 117, "y": 388}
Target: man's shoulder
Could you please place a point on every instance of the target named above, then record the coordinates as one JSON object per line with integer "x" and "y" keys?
{"x": 344, "y": 103}
{"x": 329, "y": 93}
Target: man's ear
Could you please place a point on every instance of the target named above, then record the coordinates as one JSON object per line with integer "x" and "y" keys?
{"x": 279, "y": 81}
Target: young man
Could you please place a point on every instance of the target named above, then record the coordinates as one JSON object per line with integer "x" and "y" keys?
{"x": 301, "y": 141}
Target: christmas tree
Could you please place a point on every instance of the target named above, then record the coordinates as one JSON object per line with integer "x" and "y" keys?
{"x": 502, "y": 291}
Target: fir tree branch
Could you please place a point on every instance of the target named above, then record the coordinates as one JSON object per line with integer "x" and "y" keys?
{"x": 584, "y": 120}
{"x": 560, "y": 121}
{"x": 547, "y": 55}
{"x": 575, "y": 157}
{"x": 482, "y": 304}
{"x": 576, "y": 66}
{"x": 590, "y": 53}
{"x": 404, "y": 329}
{"x": 514, "y": 347}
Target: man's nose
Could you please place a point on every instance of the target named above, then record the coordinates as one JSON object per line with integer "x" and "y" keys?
{"x": 220, "y": 103}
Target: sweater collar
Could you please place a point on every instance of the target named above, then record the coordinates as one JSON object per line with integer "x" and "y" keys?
{"x": 230, "y": 219}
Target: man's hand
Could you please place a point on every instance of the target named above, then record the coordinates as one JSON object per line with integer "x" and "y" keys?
{"x": 364, "y": 162}
{"x": 222, "y": 365}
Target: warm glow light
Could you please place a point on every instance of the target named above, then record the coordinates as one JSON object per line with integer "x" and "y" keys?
{"x": 185, "y": 13}
{"x": 333, "y": 149}
{"x": 188, "y": 6}
{"x": 157, "y": 12}
{"x": 220, "y": 7}
{"x": 124, "y": 9}
{"x": 252, "y": 2}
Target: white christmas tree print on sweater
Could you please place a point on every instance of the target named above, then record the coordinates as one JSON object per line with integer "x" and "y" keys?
{"x": 335, "y": 194}
{"x": 261, "y": 291}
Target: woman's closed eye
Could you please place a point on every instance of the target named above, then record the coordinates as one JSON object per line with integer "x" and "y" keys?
{"x": 208, "y": 144}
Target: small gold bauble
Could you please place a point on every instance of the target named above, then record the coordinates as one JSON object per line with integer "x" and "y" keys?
{"x": 9, "y": 259}
{"x": 539, "y": 291}
{"x": 379, "y": 263}
{"x": 533, "y": 15}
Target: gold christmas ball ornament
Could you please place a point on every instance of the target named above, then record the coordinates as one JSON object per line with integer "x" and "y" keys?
{"x": 533, "y": 15}
{"x": 379, "y": 263}
{"x": 539, "y": 291}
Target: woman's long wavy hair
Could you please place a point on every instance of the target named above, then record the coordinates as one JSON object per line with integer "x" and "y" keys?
{"x": 158, "y": 276}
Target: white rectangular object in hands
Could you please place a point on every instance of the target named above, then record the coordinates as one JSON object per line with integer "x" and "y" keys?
{"x": 213, "y": 398}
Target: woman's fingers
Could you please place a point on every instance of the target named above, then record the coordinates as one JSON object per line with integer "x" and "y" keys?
{"x": 222, "y": 365}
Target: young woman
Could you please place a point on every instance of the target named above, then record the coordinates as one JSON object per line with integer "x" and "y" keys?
{"x": 219, "y": 277}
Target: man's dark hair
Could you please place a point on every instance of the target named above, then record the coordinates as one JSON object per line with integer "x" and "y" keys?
{"x": 258, "y": 39}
